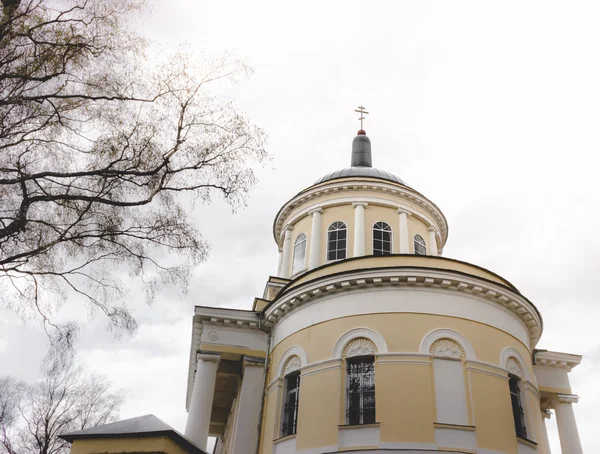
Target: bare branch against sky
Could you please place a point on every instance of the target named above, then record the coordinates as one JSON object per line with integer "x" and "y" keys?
{"x": 489, "y": 109}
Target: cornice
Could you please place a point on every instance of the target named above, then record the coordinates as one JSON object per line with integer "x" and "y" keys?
{"x": 556, "y": 360}
{"x": 427, "y": 279}
{"x": 350, "y": 184}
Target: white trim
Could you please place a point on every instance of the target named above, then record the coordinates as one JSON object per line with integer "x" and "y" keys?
{"x": 359, "y": 435}
{"x": 287, "y": 446}
{"x": 327, "y": 241}
{"x": 367, "y": 333}
{"x": 292, "y": 351}
{"x": 424, "y": 244}
{"x": 295, "y": 272}
{"x": 343, "y": 186}
{"x": 509, "y": 352}
{"x": 437, "y": 334}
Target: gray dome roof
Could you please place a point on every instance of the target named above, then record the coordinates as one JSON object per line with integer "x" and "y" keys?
{"x": 361, "y": 163}
{"x": 369, "y": 172}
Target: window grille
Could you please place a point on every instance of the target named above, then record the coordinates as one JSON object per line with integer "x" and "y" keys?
{"x": 518, "y": 413}
{"x": 360, "y": 390}
{"x": 336, "y": 244}
{"x": 420, "y": 248}
{"x": 382, "y": 239}
{"x": 290, "y": 409}
{"x": 299, "y": 253}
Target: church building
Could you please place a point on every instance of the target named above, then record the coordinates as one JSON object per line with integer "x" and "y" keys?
{"x": 368, "y": 340}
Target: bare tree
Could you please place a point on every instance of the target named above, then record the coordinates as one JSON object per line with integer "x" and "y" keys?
{"x": 67, "y": 398}
{"x": 98, "y": 143}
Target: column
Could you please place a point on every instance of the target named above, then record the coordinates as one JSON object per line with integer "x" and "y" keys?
{"x": 280, "y": 262}
{"x": 567, "y": 427}
{"x": 404, "y": 239}
{"x": 245, "y": 436}
{"x": 198, "y": 421}
{"x": 314, "y": 257}
{"x": 359, "y": 228}
{"x": 287, "y": 253}
{"x": 542, "y": 441}
{"x": 432, "y": 248}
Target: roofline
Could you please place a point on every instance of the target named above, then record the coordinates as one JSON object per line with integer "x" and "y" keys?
{"x": 508, "y": 285}
{"x": 358, "y": 178}
{"x": 176, "y": 436}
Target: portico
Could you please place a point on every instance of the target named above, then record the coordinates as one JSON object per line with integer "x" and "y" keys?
{"x": 552, "y": 374}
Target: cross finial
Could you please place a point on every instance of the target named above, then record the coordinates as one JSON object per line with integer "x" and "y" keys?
{"x": 361, "y": 110}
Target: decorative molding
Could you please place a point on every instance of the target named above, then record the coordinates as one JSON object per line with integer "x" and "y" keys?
{"x": 208, "y": 357}
{"x": 464, "y": 351}
{"x": 556, "y": 360}
{"x": 567, "y": 398}
{"x": 447, "y": 348}
{"x": 213, "y": 335}
{"x": 514, "y": 367}
{"x": 290, "y": 352}
{"x": 365, "y": 333}
{"x": 509, "y": 353}
{"x": 359, "y": 347}
{"x": 292, "y": 364}
{"x": 343, "y": 187}
{"x": 446, "y": 280}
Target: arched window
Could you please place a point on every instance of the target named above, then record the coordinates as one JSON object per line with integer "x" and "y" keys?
{"x": 299, "y": 254}
{"x": 420, "y": 248}
{"x": 382, "y": 239}
{"x": 514, "y": 385}
{"x": 336, "y": 241}
{"x": 290, "y": 408}
{"x": 360, "y": 381}
{"x": 291, "y": 395}
{"x": 449, "y": 382}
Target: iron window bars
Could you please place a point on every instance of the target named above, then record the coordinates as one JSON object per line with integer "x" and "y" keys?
{"x": 518, "y": 413}
{"x": 360, "y": 390}
{"x": 290, "y": 410}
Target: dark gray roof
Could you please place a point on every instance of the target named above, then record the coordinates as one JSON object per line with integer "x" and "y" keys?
{"x": 370, "y": 172}
{"x": 147, "y": 425}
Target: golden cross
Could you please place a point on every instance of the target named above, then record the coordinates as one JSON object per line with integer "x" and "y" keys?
{"x": 361, "y": 110}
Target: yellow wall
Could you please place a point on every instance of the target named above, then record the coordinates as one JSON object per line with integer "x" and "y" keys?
{"x": 416, "y": 261}
{"x": 493, "y": 413}
{"x": 406, "y": 407}
{"x": 319, "y": 413}
{"x": 126, "y": 445}
{"x": 402, "y": 333}
{"x": 416, "y": 226}
{"x": 374, "y": 214}
{"x": 345, "y": 214}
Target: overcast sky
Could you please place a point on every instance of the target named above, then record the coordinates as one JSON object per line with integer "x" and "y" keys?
{"x": 490, "y": 109}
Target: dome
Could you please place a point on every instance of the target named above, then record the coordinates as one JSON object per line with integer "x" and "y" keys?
{"x": 361, "y": 163}
{"x": 369, "y": 172}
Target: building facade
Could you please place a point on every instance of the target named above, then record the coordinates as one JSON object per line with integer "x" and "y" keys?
{"x": 368, "y": 340}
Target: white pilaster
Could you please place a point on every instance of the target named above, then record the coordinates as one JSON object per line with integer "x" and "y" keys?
{"x": 359, "y": 228}
{"x": 314, "y": 258}
{"x": 567, "y": 427}
{"x": 198, "y": 421}
{"x": 404, "y": 239}
{"x": 542, "y": 441}
{"x": 432, "y": 248}
{"x": 245, "y": 437}
{"x": 287, "y": 253}
{"x": 280, "y": 262}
